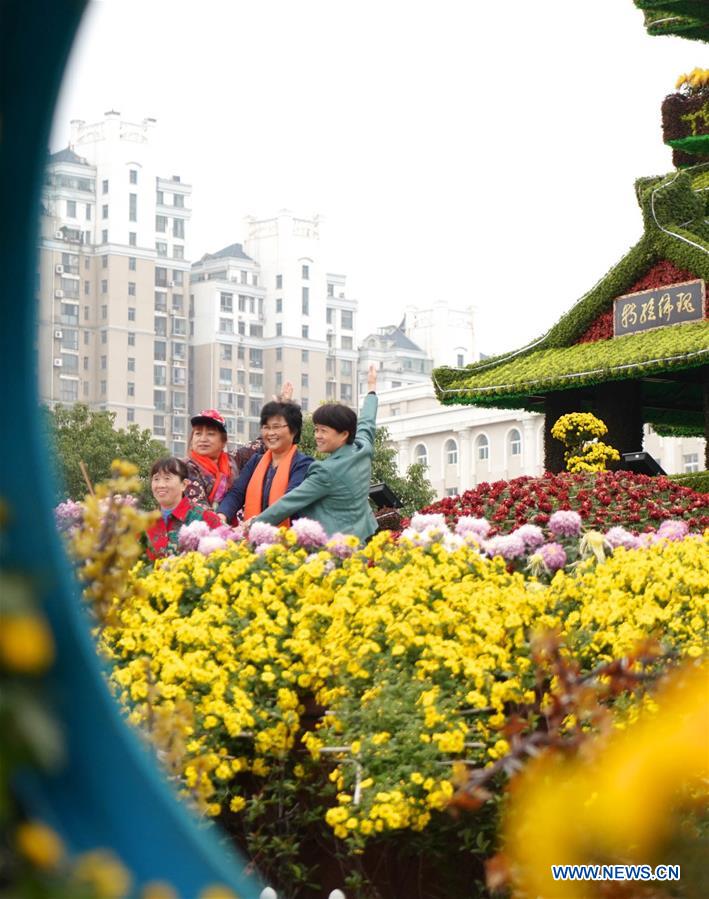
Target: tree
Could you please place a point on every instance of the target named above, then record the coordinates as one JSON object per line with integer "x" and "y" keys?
{"x": 80, "y": 434}
{"x": 413, "y": 488}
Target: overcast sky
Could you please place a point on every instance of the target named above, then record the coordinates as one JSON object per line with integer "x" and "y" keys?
{"x": 482, "y": 153}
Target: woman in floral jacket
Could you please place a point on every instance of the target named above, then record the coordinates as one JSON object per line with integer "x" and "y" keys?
{"x": 168, "y": 479}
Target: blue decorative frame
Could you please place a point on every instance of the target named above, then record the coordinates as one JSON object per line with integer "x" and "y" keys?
{"x": 109, "y": 793}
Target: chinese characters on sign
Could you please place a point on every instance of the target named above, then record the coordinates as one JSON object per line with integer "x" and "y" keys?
{"x": 656, "y": 308}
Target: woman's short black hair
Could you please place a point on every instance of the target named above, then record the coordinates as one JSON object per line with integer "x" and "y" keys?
{"x": 171, "y": 464}
{"x": 290, "y": 411}
{"x": 337, "y": 416}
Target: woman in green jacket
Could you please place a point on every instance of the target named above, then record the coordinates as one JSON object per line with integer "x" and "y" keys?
{"x": 335, "y": 491}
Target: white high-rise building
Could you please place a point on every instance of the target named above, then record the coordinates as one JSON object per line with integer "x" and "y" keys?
{"x": 113, "y": 275}
{"x": 267, "y": 311}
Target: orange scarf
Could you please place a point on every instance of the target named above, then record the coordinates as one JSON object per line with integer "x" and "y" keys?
{"x": 253, "y": 503}
{"x": 220, "y": 471}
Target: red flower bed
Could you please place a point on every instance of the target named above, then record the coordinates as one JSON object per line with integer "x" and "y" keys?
{"x": 662, "y": 274}
{"x": 603, "y": 500}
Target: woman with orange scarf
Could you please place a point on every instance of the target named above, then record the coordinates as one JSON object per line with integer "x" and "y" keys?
{"x": 210, "y": 469}
{"x": 267, "y": 476}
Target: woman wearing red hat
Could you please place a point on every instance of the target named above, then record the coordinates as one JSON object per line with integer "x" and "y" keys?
{"x": 210, "y": 469}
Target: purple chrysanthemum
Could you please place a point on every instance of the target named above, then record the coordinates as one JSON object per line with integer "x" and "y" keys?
{"x": 421, "y": 522}
{"x": 190, "y": 534}
{"x": 261, "y": 533}
{"x": 68, "y": 515}
{"x": 531, "y": 534}
{"x": 554, "y": 555}
{"x": 565, "y": 523}
{"x": 509, "y": 546}
{"x": 673, "y": 529}
{"x": 339, "y": 546}
{"x": 466, "y": 524}
{"x": 309, "y": 532}
{"x": 620, "y": 537}
{"x": 211, "y": 543}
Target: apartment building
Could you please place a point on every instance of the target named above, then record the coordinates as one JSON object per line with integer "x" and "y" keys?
{"x": 266, "y": 311}
{"x": 112, "y": 279}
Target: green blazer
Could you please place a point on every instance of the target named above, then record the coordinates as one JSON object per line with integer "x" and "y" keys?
{"x": 335, "y": 492}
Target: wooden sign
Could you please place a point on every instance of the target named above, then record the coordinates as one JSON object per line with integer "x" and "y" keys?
{"x": 649, "y": 309}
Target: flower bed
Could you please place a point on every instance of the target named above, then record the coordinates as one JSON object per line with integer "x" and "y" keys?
{"x": 285, "y": 683}
{"x": 602, "y": 500}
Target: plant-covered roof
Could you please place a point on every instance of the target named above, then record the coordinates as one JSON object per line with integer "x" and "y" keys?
{"x": 683, "y": 18}
{"x": 675, "y": 211}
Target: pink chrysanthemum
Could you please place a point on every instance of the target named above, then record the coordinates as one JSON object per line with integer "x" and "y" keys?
{"x": 261, "y": 533}
{"x": 509, "y": 546}
{"x": 466, "y": 524}
{"x": 531, "y": 534}
{"x": 211, "y": 543}
{"x": 309, "y": 532}
{"x": 421, "y": 522}
{"x": 620, "y": 537}
{"x": 340, "y": 546}
{"x": 554, "y": 555}
{"x": 565, "y": 523}
{"x": 673, "y": 529}
{"x": 190, "y": 534}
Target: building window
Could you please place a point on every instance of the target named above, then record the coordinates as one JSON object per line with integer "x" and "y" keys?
{"x": 306, "y": 272}
{"x": 177, "y": 276}
{"x": 177, "y": 303}
{"x": 256, "y": 381}
{"x": 346, "y": 368}
{"x": 161, "y": 248}
{"x": 225, "y": 375}
{"x": 132, "y": 207}
{"x": 279, "y": 304}
{"x": 306, "y": 301}
{"x": 71, "y": 208}
{"x": 330, "y": 289}
{"x": 104, "y": 236}
{"x": 159, "y": 396}
{"x": 330, "y": 315}
{"x": 178, "y": 200}
{"x": 130, "y": 415}
{"x": 279, "y": 282}
{"x": 131, "y": 263}
{"x": 225, "y": 352}
{"x": 421, "y": 454}
{"x": 305, "y": 331}
{"x": 159, "y": 425}
{"x": 68, "y": 390}
{"x": 88, "y": 212}
{"x": 131, "y": 313}
{"x": 255, "y": 330}
{"x": 160, "y": 198}
{"x": 179, "y": 350}
{"x": 133, "y": 176}
{"x": 178, "y": 252}
{"x": 159, "y": 375}
{"x": 104, "y": 186}
{"x": 160, "y": 301}
{"x": 346, "y": 393}
{"x": 104, "y": 333}
{"x": 87, "y": 288}
{"x": 279, "y": 354}
{"x": 104, "y": 211}
{"x": 104, "y": 315}
{"x": 226, "y": 326}
{"x": 482, "y": 447}
{"x": 131, "y": 338}
{"x": 160, "y": 350}
{"x": 461, "y": 361}
{"x": 131, "y": 288}
{"x": 256, "y": 358}
{"x": 346, "y": 343}
{"x": 103, "y": 388}
{"x": 305, "y": 356}
{"x": 131, "y": 363}
{"x": 160, "y": 277}
{"x": 161, "y": 223}
{"x": 690, "y": 462}
{"x": 515, "y": 442}
{"x": 226, "y": 302}
{"x": 132, "y": 239}
{"x": 451, "y": 491}
{"x": 131, "y": 388}
{"x": 160, "y": 325}
{"x": 451, "y": 451}
{"x": 304, "y": 380}
{"x": 178, "y": 228}
{"x": 346, "y": 319}
{"x": 104, "y": 363}
{"x": 279, "y": 329}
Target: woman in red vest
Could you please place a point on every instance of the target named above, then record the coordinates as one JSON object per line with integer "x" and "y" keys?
{"x": 168, "y": 479}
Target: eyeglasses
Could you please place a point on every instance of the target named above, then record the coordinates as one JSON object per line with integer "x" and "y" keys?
{"x": 276, "y": 428}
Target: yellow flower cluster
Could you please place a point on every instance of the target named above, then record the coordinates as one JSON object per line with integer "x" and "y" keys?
{"x": 578, "y": 426}
{"x": 697, "y": 79}
{"x": 594, "y": 457}
{"x": 414, "y": 655}
{"x": 580, "y": 432}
